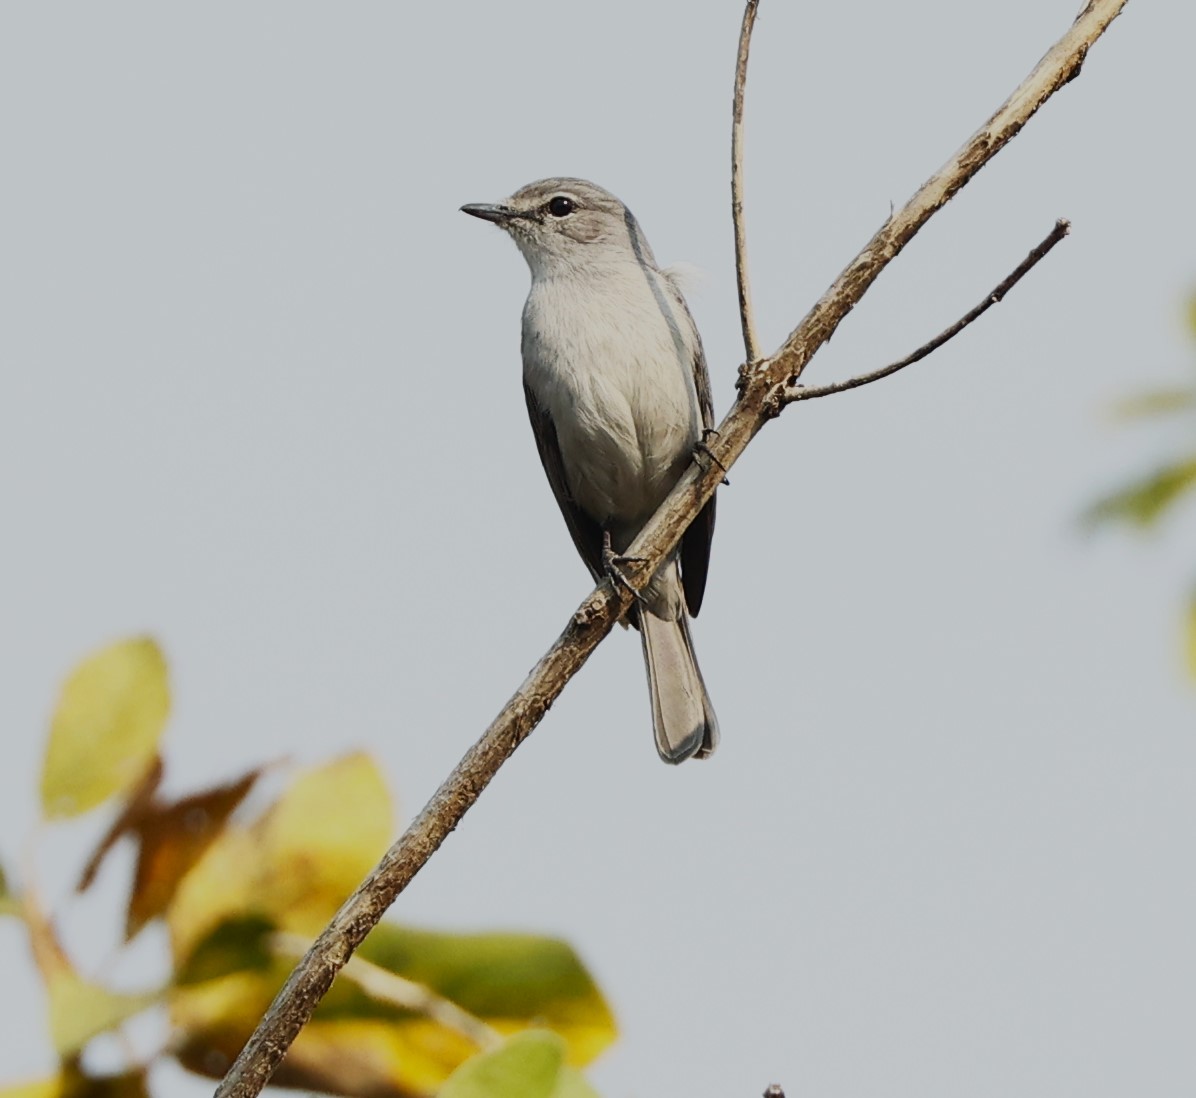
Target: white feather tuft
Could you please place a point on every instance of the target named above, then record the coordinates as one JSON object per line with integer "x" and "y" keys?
{"x": 686, "y": 278}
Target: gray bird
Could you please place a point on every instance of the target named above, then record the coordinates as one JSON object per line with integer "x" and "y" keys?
{"x": 619, "y": 396}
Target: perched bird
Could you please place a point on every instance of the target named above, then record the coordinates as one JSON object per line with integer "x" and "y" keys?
{"x": 619, "y": 397}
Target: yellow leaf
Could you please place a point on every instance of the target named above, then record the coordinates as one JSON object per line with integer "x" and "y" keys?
{"x": 294, "y": 865}
{"x": 221, "y": 885}
{"x": 409, "y": 1055}
{"x": 80, "y": 1011}
{"x": 382, "y": 1057}
{"x": 40, "y": 1088}
{"x": 71, "y": 1082}
{"x": 1192, "y": 314}
{"x": 260, "y": 893}
{"x": 321, "y": 838}
{"x": 105, "y": 730}
{"x": 230, "y": 1004}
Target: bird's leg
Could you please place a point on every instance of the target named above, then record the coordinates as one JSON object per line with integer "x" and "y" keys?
{"x": 611, "y": 562}
{"x": 702, "y": 452}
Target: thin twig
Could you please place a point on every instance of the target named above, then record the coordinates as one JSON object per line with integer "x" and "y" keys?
{"x": 762, "y": 387}
{"x": 389, "y": 987}
{"x": 797, "y": 392}
{"x": 751, "y": 342}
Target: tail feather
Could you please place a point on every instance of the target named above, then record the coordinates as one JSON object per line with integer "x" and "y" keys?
{"x": 682, "y": 715}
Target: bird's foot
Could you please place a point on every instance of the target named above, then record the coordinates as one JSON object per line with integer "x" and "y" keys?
{"x": 703, "y": 453}
{"x": 612, "y": 565}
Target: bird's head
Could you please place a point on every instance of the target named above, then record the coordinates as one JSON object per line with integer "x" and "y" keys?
{"x": 566, "y": 223}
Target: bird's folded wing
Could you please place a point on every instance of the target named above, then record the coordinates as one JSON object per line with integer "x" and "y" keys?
{"x": 586, "y": 533}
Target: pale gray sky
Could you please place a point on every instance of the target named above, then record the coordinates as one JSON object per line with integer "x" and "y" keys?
{"x": 260, "y": 396}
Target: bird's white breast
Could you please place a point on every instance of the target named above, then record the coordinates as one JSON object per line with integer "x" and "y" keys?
{"x": 615, "y": 373}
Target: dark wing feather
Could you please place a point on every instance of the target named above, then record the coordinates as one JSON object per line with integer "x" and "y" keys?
{"x": 695, "y": 544}
{"x": 587, "y": 534}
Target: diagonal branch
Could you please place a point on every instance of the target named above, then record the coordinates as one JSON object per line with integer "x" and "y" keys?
{"x": 798, "y": 392}
{"x": 762, "y": 389}
{"x": 751, "y": 342}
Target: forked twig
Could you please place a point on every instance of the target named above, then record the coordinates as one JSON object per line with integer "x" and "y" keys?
{"x": 798, "y": 392}
{"x": 389, "y": 987}
{"x": 751, "y": 343}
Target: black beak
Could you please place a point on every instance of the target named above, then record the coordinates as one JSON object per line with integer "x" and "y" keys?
{"x": 487, "y": 212}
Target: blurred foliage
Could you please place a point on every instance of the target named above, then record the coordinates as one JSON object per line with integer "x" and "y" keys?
{"x": 1145, "y": 501}
{"x": 117, "y": 701}
{"x": 528, "y": 1065}
{"x": 1142, "y": 502}
{"x": 242, "y": 894}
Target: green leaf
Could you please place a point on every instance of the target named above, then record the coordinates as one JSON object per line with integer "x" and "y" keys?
{"x": 1160, "y": 402}
{"x": 510, "y": 981}
{"x": 237, "y": 945}
{"x": 528, "y": 1065}
{"x": 261, "y": 891}
{"x": 572, "y": 1084}
{"x": 1190, "y": 631}
{"x": 9, "y": 903}
{"x": 80, "y": 1011}
{"x": 1143, "y": 502}
{"x": 1192, "y": 314}
{"x": 105, "y": 730}
{"x": 507, "y": 982}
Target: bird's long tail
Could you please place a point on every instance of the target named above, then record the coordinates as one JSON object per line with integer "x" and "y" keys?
{"x": 682, "y": 715}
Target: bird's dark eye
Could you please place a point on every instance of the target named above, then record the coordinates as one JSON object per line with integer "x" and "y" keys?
{"x": 560, "y": 206}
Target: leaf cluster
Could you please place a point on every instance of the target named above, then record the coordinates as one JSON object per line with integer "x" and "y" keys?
{"x": 242, "y": 889}
{"x": 1144, "y": 501}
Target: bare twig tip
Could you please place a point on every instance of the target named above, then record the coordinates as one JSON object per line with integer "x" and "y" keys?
{"x": 792, "y": 391}
{"x": 751, "y": 342}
